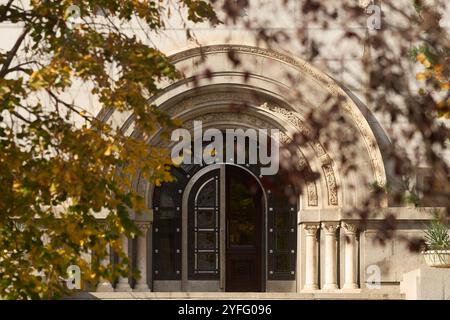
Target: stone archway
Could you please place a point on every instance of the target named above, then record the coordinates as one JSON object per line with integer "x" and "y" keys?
{"x": 270, "y": 103}
{"x": 263, "y": 82}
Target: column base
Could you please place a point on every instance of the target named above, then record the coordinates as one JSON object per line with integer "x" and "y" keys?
{"x": 141, "y": 287}
{"x": 350, "y": 286}
{"x": 330, "y": 286}
{"x": 123, "y": 287}
{"x": 105, "y": 287}
{"x": 310, "y": 287}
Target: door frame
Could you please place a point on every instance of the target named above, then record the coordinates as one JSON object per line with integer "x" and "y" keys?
{"x": 222, "y": 215}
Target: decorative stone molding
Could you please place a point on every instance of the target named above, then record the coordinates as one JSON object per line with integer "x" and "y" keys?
{"x": 304, "y": 67}
{"x": 330, "y": 227}
{"x": 349, "y": 228}
{"x": 313, "y": 199}
{"x": 247, "y": 118}
{"x": 142, "y": 226}
{"x": 326, "y": 84}
{"x": 311, "y": 228}
{"x": 331, "y": 184}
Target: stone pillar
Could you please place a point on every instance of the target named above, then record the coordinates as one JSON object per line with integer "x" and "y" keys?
{"x": 330, "y": 282}
{"x": 350, "y": 281}
{"x": 123, "y": 285}
{"x": 104, "y": 285}
{"x": 311, "y": 272}
{"x": 141, "y": 283}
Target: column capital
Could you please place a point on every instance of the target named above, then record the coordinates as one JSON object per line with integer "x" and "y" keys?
{"x": 330, "y": 227}
{"x": 311, "y": 228}
{"x": 349, "y": 228}
{"x": 143, "y": 226}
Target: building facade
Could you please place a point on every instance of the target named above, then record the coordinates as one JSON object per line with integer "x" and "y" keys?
{"x": 225, "y": 228}
{"x": 201, "y": 238}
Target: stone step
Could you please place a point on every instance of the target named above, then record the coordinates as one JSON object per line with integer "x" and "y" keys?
{"x": 365, "y": 295}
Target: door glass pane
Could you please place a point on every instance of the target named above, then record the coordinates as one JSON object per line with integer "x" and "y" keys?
{"x": 206, "y": 240}
{"x": 282, "y": 262}
{"x": 205, "y": 218}
{"x": 241, "y": 233}
{"x": 207, "y": 195}
{"x": 166, "y": 199}
{"x": 242, "y": 214}
{"x": 166, "y": 220}
{"x": 203, "y": 223}
{"x": 166, "y": 253}
{"x": 282, "y": 240}
{"x": 282, "y": 220}
{"x": 206, "y": 261}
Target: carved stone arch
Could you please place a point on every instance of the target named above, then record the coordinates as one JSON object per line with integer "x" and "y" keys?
{"x": 215, "y": 112}
{"x": 266, "y": 82}
{"x": 226, "y": 120}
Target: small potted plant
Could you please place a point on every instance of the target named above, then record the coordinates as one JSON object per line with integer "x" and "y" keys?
{"x": 437, "y": 240}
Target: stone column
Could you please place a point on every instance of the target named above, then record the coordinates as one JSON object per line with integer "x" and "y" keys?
{"x": 330, "y": 282}
{"x": 123, "y": 285}
{"x": 311, "y": 272}
{"x": 350, "y": 281}
{"x": 104, "y": 285}
{"x": 141, "y": 284}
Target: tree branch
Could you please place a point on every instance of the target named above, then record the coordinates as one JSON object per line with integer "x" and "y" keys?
{"x": 11, "y": 53}
{"x": 6, "y": 8}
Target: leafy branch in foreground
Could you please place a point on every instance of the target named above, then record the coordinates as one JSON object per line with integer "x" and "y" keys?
{"x": 60, "y": 167}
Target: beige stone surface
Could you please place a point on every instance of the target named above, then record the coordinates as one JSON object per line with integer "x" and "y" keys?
{"x": 426, "y": 283}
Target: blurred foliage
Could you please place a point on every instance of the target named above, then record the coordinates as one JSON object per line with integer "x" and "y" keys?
{"x": 56, "y": 176}
{"x": 435, "y": 62}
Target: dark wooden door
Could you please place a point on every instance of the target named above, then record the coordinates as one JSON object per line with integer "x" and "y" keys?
{"x": 244, "y": 208}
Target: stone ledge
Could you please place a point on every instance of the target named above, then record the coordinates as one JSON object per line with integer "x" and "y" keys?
{"x": 400, "y": 213}
{"x": 237, "y": 296}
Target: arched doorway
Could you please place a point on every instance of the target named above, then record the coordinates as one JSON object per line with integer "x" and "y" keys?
{"x": 231, "y": 202}
{"x": 223, "y": 229}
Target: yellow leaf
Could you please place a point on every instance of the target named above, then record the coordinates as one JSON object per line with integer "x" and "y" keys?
{"x": 421, "y": 57}
{"x": 53, "y": 188}
{"x": 16, "y": 186}
{"x": 421, "y": 76}
{"x": 445, "y": 86}
{"x": 438, "y": 68}
{"x": 110, "y": 149}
